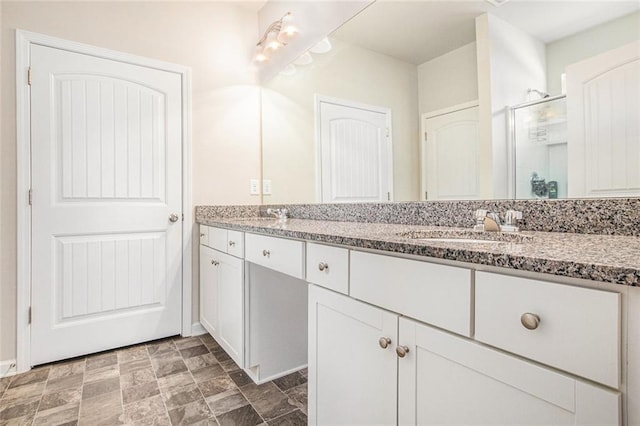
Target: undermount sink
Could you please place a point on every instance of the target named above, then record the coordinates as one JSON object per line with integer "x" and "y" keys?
{"x": 465, "y": 236}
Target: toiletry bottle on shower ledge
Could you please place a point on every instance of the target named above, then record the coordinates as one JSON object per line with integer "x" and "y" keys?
{"x": 552, "y": 187}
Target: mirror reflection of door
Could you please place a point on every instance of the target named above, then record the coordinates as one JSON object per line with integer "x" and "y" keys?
{"x": 354, "y": 151}
{"x": 603, "y": 106}
{"x": 450, "y": 154}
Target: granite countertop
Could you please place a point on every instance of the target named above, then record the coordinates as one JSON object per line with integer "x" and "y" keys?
{"x": 607, "y": 258}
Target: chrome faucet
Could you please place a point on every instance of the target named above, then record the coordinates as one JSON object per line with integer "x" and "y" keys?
{"x": 511, "y": 219}
{"x": 486, "y": 221}
{"x": 281, "y": 214}
{"x": 490, "y": 222}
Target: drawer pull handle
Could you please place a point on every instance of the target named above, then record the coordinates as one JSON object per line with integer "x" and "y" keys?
{"x": 201, "y": 234}
{"x": 530, "y": 321}
{"x": 322, "y": 266}
{"x": 232, "y": 243}
{"x": 266, "y": 253}
{"x": 384, "y": 342}
{"x": 215, "y": 262}
{"x": 402, "y": 351}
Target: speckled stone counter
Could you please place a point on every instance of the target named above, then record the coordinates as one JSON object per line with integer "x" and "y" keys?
{"x": 607, "y": 258}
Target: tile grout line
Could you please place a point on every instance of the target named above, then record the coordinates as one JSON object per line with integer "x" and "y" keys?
{"x": 248, "y": 400}
{"x": 41, "y": 396}
{"x": 124, "y": 415}
{"x": 215, "y": 417}
{"x": 166, "y": 410}
{"x": 84, "y": 377}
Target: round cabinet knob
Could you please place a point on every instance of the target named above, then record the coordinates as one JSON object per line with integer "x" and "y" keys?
{"x": 173, "y": 217}
{"x": 322, "y": 266}
{"x": 266, "y": 253}
{"x": 402, "y": 351}
{"x": 384, "y": 342}
{"x": 232, "y": 243}
{"x": 530, "y": 321}
{"x": 215, "y": 262}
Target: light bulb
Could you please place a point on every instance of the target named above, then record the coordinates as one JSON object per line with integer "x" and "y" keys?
{"x": 323, "y": 46}
{"x": 287, "y": 33}
{"x": 289, "y": 70}
{"x": 272, "y": 42}
{"x": 304, "y": 59}
{"x": 260, "y": 54}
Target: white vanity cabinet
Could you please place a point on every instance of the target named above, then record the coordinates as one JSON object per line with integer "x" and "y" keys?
{"x": 352, "y": 378}
{"x": 400, "y": 349}
{"x": 448, "y": 380}
{"x": 222, "y": 295}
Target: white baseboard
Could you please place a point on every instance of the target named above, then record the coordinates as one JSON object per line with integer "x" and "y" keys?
{"x": 197, "y": 329}
{"x": 7, "y": 368}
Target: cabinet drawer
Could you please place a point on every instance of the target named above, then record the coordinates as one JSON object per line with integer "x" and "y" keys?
{"x": 578, "y": 329}
{"x": 286, "y": 256}
{"x": 204, "y": 235}
{"x": 328, "y": 267}
{"x": 235, "y": 243}
{"x": 436, "y": 294}
{"x": 218, "y": 239}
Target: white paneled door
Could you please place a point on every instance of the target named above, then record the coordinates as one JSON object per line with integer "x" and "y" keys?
{"x": 355, "y": 152}
{"x": 450, "y": 168}
{"x": 603, "y": 110}
{"x": 106, "y": 142}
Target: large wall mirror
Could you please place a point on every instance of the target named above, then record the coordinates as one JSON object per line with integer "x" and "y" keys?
{"x": 436, "y": 100}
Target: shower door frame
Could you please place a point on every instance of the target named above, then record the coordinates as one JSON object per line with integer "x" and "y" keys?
{"x": 511, "y": 144}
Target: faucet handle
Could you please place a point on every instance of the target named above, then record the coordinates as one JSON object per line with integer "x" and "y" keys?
{"x": 512, "y": 216}
{"x": 480, "y": 214}
{"x": 511, "y": 219}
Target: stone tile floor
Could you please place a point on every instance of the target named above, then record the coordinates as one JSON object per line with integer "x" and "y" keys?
{"x": 174, "y": 381}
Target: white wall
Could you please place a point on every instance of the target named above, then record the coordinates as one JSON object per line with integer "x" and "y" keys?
{"x": 347, "y": 72}
{"x": 509, "y": 62}
{"x": 448, "y": 80}
{"x": 214, "y": 39}
{"x": 589, "y": 43}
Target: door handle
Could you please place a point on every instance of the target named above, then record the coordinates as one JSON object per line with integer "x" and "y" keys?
{"x": 173, "y": 217}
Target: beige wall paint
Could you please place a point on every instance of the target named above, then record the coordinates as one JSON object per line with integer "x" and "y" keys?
{"x": 215, "y": 39}
{"x": 589, "y": 43}
{"x": 347, "y": 72}
{"x": 448, "y": 80}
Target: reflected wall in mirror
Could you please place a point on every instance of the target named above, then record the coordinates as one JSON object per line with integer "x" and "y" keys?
{"x": 414, "y": 101}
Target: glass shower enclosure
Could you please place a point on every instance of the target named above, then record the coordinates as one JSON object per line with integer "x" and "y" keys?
{"x": 539, "y": 149}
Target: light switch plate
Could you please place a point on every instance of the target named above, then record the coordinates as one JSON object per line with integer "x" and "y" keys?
{"x": 254, "y": 187}
{"x": 266, "y": 186}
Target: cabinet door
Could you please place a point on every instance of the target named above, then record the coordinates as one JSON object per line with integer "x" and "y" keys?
{"x": 447, "y": 380}
{"x": 209, "y": 264}
{"x": 230, "y": 306}
{"x": 352, "y": 379}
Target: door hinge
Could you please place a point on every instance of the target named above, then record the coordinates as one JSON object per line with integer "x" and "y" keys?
{"x": 30, "y": 197}
{"x": 425, "y": 136}
{"x": 29, "y": 314}
{"x": 183, "y": 217}
{"x": 388, "y": 196}
{"x": 387, "y": 132}
{"x": 29, "y": 76}
{"x": 425, "y": 195}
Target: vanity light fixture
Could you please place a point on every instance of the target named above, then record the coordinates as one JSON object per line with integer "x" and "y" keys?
{"x": 277, "y": 35}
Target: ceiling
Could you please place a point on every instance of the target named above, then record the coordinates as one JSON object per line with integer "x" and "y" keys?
{"x": 417, "y": 31}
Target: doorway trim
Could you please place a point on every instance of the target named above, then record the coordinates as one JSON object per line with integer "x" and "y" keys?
{"x": 320, "y": 99}
{"x": 24, "y": 40}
